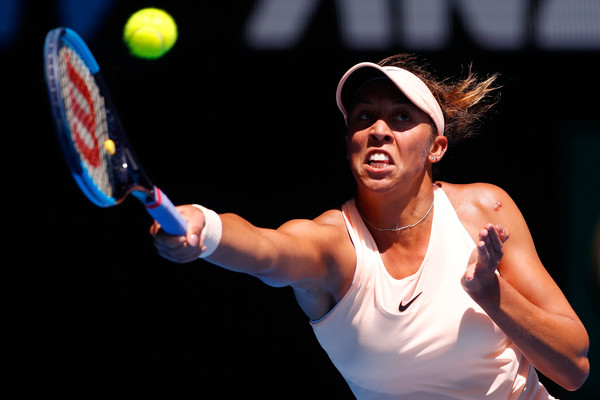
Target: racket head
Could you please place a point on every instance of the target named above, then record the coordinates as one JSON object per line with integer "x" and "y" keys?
{"x": 89, "y": 131}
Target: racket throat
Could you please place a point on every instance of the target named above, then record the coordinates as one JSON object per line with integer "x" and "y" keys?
{"x": 150, "y": 198}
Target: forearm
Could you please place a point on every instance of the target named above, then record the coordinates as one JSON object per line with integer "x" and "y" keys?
{"x": 279, "y": 257}
{"x": 243, "y": 247}
{"x": 555, "y": 344}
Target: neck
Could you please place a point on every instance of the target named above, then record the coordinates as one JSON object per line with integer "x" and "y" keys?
{"x": 382, "y": 213}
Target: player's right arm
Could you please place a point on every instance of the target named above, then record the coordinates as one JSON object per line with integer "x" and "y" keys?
{"x": 304, "y": 254}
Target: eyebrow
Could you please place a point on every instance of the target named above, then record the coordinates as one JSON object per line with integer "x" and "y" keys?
{"x": 404, "y": 100}
{"x": 364, "y": 101}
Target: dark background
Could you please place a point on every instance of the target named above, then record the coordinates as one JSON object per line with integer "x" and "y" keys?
{"x": 93, "y": 312}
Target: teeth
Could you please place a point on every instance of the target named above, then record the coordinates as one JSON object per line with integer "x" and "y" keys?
{"x": 379, "y": 157}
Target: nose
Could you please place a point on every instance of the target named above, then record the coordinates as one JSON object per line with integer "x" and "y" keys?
{"x": 380, "y": 131}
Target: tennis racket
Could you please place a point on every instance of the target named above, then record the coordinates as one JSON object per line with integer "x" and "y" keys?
{"x": 91, "y": 136}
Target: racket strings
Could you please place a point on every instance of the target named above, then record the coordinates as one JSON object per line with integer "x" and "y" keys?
{"x": 86, "y": 116}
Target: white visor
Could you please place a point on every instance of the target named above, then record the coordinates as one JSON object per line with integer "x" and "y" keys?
{"x": 411, "y": 85}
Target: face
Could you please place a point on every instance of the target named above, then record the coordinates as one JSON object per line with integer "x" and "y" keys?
{"x": 390, "y": 140}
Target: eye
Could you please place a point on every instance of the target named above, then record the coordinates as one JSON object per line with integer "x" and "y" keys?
{"x": 365, "y": 116}
{"x": 402, "y": 117}
{"x": 361, "y": 116}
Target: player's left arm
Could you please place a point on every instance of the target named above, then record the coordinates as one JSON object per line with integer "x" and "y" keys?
{"x": 523, "y": 299}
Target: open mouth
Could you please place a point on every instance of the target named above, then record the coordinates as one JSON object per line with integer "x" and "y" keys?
{"x": 379, "y": 160}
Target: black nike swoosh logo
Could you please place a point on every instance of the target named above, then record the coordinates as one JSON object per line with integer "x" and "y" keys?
{"x": 403, "y": 307}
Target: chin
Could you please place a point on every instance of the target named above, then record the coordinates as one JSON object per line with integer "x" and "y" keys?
{"x": 377, "y": 186}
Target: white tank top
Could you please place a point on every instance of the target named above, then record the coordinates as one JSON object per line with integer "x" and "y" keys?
{"x": 421, "y": 337}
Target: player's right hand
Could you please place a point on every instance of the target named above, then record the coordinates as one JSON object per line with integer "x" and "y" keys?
{"x": 181, "y": 249}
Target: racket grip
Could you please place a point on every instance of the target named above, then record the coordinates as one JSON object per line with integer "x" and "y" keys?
{"x": 163, "y": 211}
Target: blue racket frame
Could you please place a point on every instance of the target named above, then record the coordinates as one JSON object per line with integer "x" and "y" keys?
{"x": 128, "y": 176}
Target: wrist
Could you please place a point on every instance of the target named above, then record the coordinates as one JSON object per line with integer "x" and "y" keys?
{"x": 210, "y": 237}
{"x": 482, "y": 288}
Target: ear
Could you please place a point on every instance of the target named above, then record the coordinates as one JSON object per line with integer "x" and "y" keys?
{"x": 438, "y": 148}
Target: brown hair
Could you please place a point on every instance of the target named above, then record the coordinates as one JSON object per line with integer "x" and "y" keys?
{"x": 464, "y": 102}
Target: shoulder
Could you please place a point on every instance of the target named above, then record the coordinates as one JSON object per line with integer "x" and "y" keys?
{"x": 479, "y": 203}
{"x": 331, "y": 218}
{"x": 327, "y": 232}
{"x": 476, "y": 197}
{"x": 479, "y": 195}
{"x": 329, "y": 222}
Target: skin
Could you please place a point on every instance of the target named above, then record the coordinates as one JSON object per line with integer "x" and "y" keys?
{"x": 317, "y": 259}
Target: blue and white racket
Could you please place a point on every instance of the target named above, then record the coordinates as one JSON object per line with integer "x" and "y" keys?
{"x": 90, "y": 133}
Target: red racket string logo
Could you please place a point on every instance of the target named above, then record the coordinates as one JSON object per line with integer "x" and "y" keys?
{"x": 86, "y": 118}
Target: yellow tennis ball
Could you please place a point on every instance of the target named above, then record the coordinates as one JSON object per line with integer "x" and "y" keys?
{"x": 109, "y": 145}
{"x": 150, "y": 33}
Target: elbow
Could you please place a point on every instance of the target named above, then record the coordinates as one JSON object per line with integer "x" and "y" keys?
{"x": 583, "y": 371}
{"x": 578, "y": 368}
{"x": 577, "y": 374}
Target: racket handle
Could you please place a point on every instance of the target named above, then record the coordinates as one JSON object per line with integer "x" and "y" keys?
{"x": 163, "y": 211}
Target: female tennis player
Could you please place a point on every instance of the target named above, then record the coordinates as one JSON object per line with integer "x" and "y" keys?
{"x": 416, "y": 289}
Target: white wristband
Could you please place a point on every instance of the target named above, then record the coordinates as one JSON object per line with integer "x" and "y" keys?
{"x": 212, "y": 231}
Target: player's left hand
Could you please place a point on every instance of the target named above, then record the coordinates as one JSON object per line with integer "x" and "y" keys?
{"x": 480, "y": 275}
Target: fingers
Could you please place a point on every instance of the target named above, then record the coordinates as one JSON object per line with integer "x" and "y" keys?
{"x": 154, "y": 228}
{"x": 176, "y": 248}
{"x": 494, "y": 239}
{"x": 481, "y": 273}
{"x": 470, "y": 272}
{"x": 181, "y": 249}
{"x": 490, "y": 246}
{"x": 170, "y": 247}
{"x": 483, "y": 258}
{"x": 503, "y": 233}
